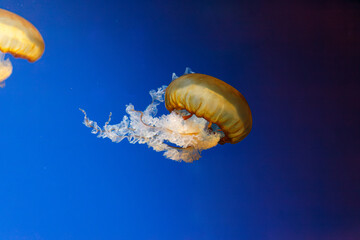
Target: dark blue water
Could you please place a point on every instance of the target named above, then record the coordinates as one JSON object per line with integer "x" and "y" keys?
{"x": 296, "y": 176}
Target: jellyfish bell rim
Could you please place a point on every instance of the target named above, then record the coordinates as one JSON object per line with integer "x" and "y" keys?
{"x": 180, "y": 96}
{"x": 22, "y": 56}
{"x": 224, "y": 139}
{"x": 30, "y": 43}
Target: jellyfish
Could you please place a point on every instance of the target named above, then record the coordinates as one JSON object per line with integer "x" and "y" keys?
{"x": 204, "y": 112}
{"x": 19, "y": 38}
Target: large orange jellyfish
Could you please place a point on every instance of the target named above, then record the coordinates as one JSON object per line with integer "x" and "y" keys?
{"x": 19, "y": 38}
{"x": 204, "y": 111}
{"x": 212, "y": 99}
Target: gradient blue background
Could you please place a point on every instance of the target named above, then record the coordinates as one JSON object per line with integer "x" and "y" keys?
{"x": 296, "y": 176}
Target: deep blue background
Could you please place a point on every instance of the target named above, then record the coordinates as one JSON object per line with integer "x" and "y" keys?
{"x": 296, "y": 176}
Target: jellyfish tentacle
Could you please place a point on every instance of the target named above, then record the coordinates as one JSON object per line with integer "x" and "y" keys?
{"x": 141, "y": 118}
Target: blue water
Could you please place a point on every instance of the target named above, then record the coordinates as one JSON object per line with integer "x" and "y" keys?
{"x": 296, "y": 176}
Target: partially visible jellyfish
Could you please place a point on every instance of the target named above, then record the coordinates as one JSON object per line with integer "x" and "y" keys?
{"x": 204, "y": 111}
{"x": 19, "y": 38}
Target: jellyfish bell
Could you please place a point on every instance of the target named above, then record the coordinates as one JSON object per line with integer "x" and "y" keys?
{"x": 204, "y": 111}
{"x": 19, "y": 38}
{"x": 214, "y": 100}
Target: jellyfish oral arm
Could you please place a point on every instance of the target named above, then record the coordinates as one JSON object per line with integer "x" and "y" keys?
{"x": 179, "y": 139}
{"x": 5, "y": 69}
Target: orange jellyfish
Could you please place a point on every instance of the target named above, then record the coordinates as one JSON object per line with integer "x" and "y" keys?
{"x": 19, "y": 38}
{"x": 216, "y": 101}
{"x": 204, "y": 111}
